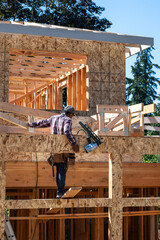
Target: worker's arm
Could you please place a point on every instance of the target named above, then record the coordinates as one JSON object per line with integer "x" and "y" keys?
{"x": 41, "y": 123}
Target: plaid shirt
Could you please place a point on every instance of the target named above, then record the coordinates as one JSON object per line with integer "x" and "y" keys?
{"x": 60, "y": 124}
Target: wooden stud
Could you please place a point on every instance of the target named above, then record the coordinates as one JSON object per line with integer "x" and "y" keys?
{"x": 13, "y": 120}
{"x": 141, "y": 222}
{"x": 115, "y": 193}
{"x": 74, "y": 90}
{"x": 78, "y": 89}
{"x": 59, "y": 99}
{"x": 69, "y": 90}
{"x": 2, "y": 194}
{"x": 84, "y": 89}
{"x": 62, "y": 226}
{"x": 99, "y": 222}
{"x": 55, "y": 96}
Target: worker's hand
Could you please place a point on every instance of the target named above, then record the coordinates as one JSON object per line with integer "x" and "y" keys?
{"x": 30, "y": 124}
{"x": 76, "y": 147}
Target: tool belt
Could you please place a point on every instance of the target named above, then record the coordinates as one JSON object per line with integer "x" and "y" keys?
{"x": 68, "y": 158}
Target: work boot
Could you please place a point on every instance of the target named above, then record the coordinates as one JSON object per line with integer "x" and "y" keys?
{"x": 59, "y": 195}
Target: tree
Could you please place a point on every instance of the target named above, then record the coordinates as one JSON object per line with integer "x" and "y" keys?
{"x": 142, "y": 88}
{"x": 71, "y": 13}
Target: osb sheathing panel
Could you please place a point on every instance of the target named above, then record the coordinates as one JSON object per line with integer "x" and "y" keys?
{"x": 4, "y": 73}
{"x": 102, "y": 58}
{"x": 59, "y": 143}
{"x": 141, "y": 202}
{"x": 116, "y": 146}
{"x": 54, "y": 203}
{"x": 2, "y": 195}
{"x": 80, "y": 157}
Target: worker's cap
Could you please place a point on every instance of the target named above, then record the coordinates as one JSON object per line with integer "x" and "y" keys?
{"x": 69, "y": 109}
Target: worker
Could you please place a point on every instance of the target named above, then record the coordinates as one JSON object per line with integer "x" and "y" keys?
{"x": 61, "y": 125}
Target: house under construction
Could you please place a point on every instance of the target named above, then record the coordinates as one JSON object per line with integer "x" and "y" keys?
{"x": 115, "y": 195}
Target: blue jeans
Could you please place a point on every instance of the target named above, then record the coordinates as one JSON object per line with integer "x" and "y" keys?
{"x": 61, "y": 177}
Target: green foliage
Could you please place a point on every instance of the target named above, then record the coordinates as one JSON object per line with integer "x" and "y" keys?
{"x": 151, "y": 158}
{"x": 71, "y": 13}
{"x": 142, "y": 88}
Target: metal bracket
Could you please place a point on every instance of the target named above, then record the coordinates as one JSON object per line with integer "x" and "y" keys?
{"x": 102, "y": 112}
{"x": 105, "y": 130}
{"x": 8, "y": 229}
{"x": 126, "y": 131}
{"x": 124, "y": 114}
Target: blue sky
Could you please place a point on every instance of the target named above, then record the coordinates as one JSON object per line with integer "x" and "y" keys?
{"x": 135, "y": 17}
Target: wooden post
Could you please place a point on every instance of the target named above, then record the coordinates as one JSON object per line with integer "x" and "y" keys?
{"x": 59, "y": 99}
{"x": 26, "y": 91}
{"x": 78, "y": 90}
{"x": 74, "y": 90}
{"x": 156, "y": 217}
{"x": 62, "y": 226}
{"x": 52, "y": 98}
{"x": 126, "y": 220}
{"x": 84, "y": 87}
{"x": 115, "y": 192}
{"x": 50, "y": 106}
{"x": 2, "y": 194}
{"x": 141, "y": 234}
{"x": 142, "y": 122}
{"x": 55, "y": 96}
{"x": 99, "y": 222}
{"x": 69, "y": 90}
{"x": 34, "y": 94}
{"x": 33, "y": 224}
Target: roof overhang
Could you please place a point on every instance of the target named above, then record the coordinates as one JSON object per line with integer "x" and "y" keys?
{"x": 134, "y": 44}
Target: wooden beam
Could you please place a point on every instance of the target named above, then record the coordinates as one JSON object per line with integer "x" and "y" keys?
{"x": 111, "y": 124}
{"x": 97, "y": 173}
{"x": 4, "y": 106}
{"x": 69, "y": 90}
{"x": 149, "y": 109}
{"x": 13, "y": 120}
{"x": 2, "y": 194}
{"x": 72, "y": 192}
{"x": 47, "y": 54}
{"x": 149, "y": 120}
{"x": 74, "y": 90}
{"x": 78, "y": 90}
{"x": 84, "y": 89}
{"x": 57, "y": 203}
{"x": 111, "y": 108}
{"x": 32, "y": 76}
{"x": 140, "y": 145}
{"x": 33, "y": 91}
{"x": 151, "y": 128}
{"x": 62, "y": 216}
{"x": 136, "y": 108}
{"x": 84, "y": 215}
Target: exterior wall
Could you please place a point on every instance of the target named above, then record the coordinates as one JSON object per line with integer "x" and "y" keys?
{"x": 4, "y": 73}
{"x": 106, "y": 64}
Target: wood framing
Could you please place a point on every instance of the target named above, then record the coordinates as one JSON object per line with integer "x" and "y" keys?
{"x": 116, "y": 146}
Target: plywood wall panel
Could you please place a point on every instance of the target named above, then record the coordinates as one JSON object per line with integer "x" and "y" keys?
{"x": 114, "y": 86}
{"x": 2, "y": 42}
{"x": 63, "y": 45}
{"x": 51, "y": 44}
{"x": 2, "y": 194}
{"x": 117, "y": 98}
{"x": 117, "y": 58}
{"x": 105, "y": 60}
{"x": 81, "y": 47}
{"x": 15, "y": 41}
